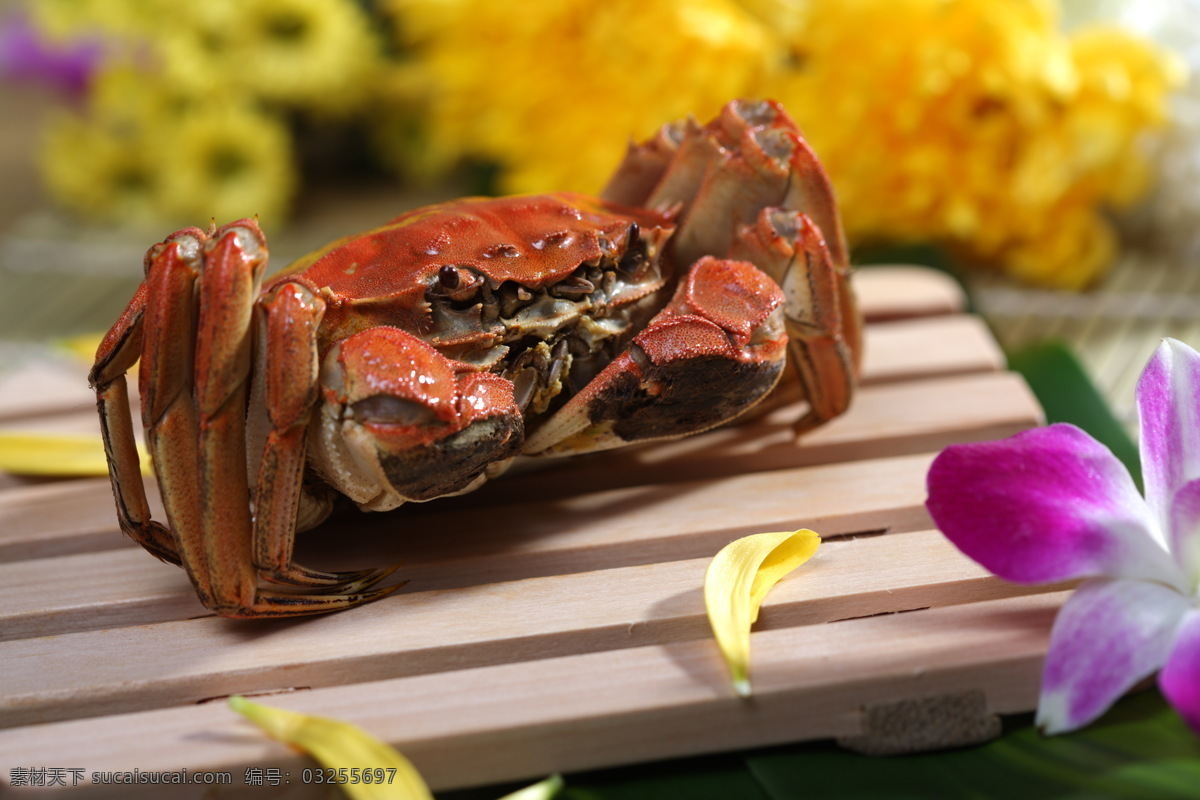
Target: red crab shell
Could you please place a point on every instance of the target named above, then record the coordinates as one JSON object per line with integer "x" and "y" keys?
{"x": 382, "y": 276}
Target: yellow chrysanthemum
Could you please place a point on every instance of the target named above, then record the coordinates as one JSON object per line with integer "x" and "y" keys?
{"x": 66, "y": 19}
{"x": 227, "y": 160}
{"x": 146, "y": 153}
{"x": 99, "y": 172}
{"x": 553, "y": 91}
{"x": 314, "y": 54}
{"x": 977, "y": 123}
{"x": 318, "y": 55}
{"x": 184, "y": 120}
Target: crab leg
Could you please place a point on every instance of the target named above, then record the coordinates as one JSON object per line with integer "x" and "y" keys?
{"x": 766, "y": 127}
{"x": 235, "y": 257}
{"x": 644, "y": 165}
{"x": 117, "y": 354}
{"x": 228, "y": 286}
{"x": 190, "y": 323}
{"x": 284, "y": 394}
{"x": 168, "y": 409}
{"x": 819, "y": 313}
{"x": 750, "y": 157}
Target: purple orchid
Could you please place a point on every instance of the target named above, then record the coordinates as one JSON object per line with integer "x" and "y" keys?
{"x": 1053, "y": 504}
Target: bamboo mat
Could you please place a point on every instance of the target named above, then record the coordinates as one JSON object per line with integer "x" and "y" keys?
{"x": 553, "y": 621}
{"x": 1113, "y": 327}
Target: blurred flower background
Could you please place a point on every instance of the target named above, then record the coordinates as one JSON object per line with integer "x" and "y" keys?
{"x": 1027, "y": 140}
{"x": 982, "y": 125}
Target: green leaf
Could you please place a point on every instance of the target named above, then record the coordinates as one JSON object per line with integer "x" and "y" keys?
{"x": 1140, "y": 749}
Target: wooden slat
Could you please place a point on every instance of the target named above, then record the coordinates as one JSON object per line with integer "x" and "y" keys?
{"x": 901, "y": 292}
{"x": 40, "y": 388}
{"x": 439, "y": 630}
{"x": 928, "y": 347}
{"x": 60, "y": 518}
{"x": 447, "y": 549}
{"x": 518, "y": 721}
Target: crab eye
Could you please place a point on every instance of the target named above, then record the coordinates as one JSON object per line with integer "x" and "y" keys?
{"x": 634, "y": 261}
{"x": 391, "y": 410}
{"x": 448, "y": 277}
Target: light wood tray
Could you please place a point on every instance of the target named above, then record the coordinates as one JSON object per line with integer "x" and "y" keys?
{"x": 554, "y": 621}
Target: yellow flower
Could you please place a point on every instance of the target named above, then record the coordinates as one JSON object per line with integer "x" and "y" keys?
{"x": 183, "y": 120}
{"x": 315, "y": 54}
{"x": 225, "y": 160}
{"x": 979, "y": 124}
{"x": 319, "y": 55}
{"x": 736, "y": 582}
{"x": 67, "y": 19}
{"x": 146, "y": 152}
{"x": 99, "y": 172}
{"x": 968, "y": 122}
{"x": 554, "y": 91}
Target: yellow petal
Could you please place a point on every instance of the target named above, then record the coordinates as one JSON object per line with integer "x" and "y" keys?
{"x": 75, "y": 454}
{"x": 542, "y": 790}
{"x": 735, "y": 584}
{"x": 82, "y": 347}
{"x": 340, "y": 745}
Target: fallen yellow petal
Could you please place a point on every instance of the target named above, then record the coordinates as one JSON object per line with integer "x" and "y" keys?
{"x": 340, "y": 745}
{"x": 76, "y": 454}
{"x": 83, "y": 346}
{"x": 735, "y": 584}
{"x": 542, "y": 790}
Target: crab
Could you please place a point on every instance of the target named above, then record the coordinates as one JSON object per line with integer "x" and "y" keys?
{"x": 418, "y": 359}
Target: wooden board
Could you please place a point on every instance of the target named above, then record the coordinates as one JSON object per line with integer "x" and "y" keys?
{"x": 554, "y": 621}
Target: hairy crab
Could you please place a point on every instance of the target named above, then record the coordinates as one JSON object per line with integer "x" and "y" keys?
{"x": 417, "y": 359}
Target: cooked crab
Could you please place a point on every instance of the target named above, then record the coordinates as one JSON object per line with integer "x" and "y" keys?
{"x": 419, "y": 358}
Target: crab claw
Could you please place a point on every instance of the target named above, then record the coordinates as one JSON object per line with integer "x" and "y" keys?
{"x": 401, "y": 422}
{"x": 716, "y": 349}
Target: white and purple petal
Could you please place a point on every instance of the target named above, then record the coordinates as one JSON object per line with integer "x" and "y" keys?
{"x": 1109, "y": 635}
{"x": 1045, "y": 505}
{"x": 1168, "y": 401}
{"x": 1180, "y": 676}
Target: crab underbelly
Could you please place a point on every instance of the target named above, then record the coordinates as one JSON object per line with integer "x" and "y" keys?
{"x": 550, "y": 359}
{"x": 549, "y": 352}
